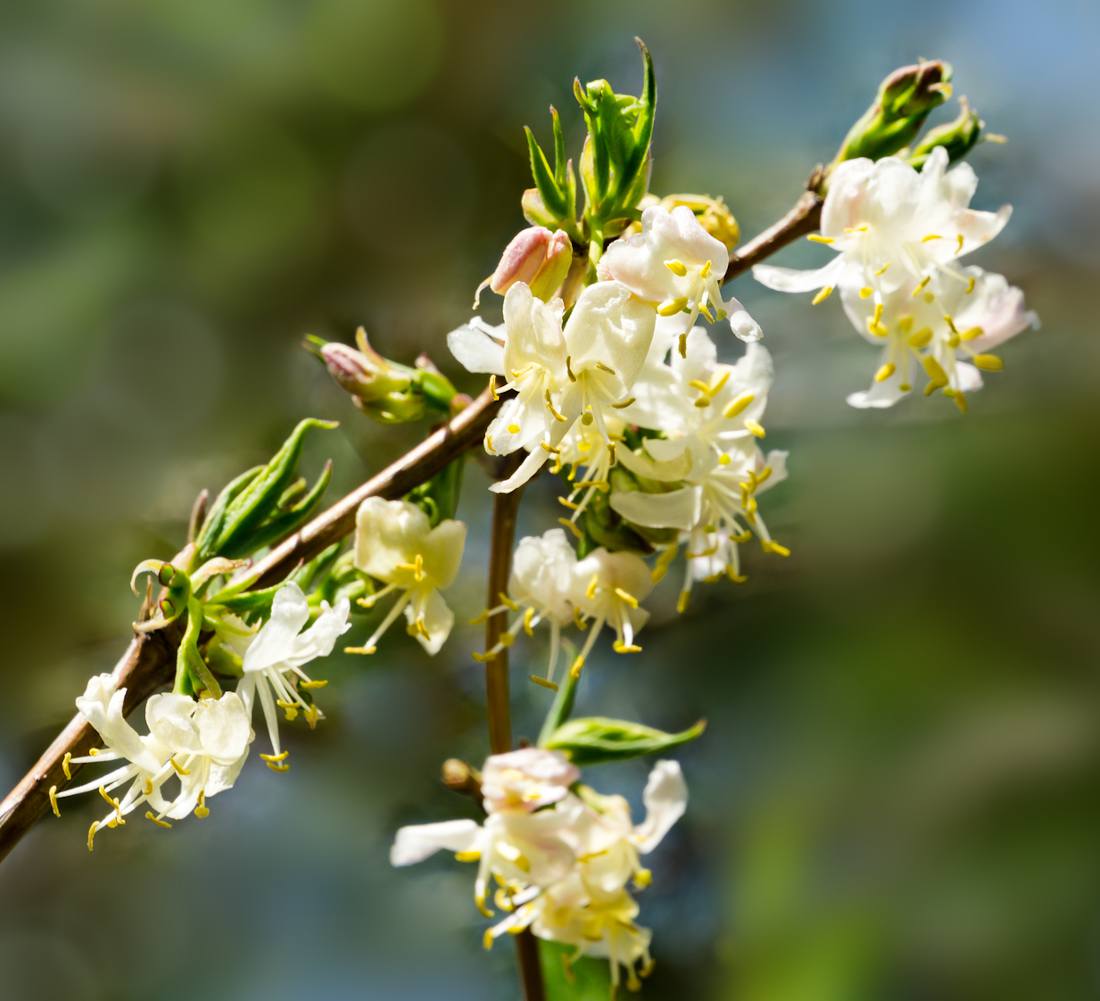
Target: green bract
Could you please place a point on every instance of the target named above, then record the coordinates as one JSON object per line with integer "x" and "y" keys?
{"x": 594, "y": 739}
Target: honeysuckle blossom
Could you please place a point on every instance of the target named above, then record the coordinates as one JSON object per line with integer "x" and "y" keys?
{"x": 608, "y": 590}
{"x": 582, "y": 373}
{"x": 272, "y": 662}
{"x": 526, "y": 779}
{"x": 396, "y": 544}
{"x": 898, "y": 236}
{"x": 562, "y": 870}
{"x": 196, "y": 746}
{"x": 708, "y": 468}
{"x": 947, "y": 341}
{"x": 678, "y": 266}
{"x": 541, "y": 589}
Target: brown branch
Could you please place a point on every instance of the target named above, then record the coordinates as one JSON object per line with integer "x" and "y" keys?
{"x": 804, "y": 217}
{"x": 149, "y": 661}
{"x": 502, "y": 541}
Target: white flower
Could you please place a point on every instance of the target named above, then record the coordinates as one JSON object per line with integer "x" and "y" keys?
{"x": 708, "y": 465}
{"x": 396, "y": 544}
{"x": 201, "y": 743}
{"x": 561, "y": 870}
{"x": 899, "y": 235}
{"x": 949, "y": 338}
{"x": 679, "y": 267}
{"x": 582, "y": 373}
{"x": 541, "y": 590}
{"x": 272, "y": 663}
{"x": 893, "y": 228}
{"x": 526, "y": 779}
{"x": 608, "y": 590}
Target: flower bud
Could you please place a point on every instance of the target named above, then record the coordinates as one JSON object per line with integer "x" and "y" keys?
{"x": 713, "y": 215}
{"x": 957, "y": 137}
{"x": 905, "y": 99}
{"x": 537, "y": 257}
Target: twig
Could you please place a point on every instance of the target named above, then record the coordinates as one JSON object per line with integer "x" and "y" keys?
{"x": 502, "y": 540}
{"x": 804, "y": 217}
{"x": 149, "y": 660}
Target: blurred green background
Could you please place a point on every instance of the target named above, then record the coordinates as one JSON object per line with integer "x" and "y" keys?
{"x": 897, "y": 796}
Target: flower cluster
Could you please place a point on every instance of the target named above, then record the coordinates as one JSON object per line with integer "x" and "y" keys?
{"x": 195, "y": 747}
{"x": 899, "y": 235}
{"x": 558, "y": 857}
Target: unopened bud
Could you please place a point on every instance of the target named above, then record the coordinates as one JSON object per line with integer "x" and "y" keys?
{"x": 536, "y": 256}
{"x": 713, "y": 215}
{"x": 905, "y": 99}
{"x": 535, "y": 210}
{"x": 957, "y": 137}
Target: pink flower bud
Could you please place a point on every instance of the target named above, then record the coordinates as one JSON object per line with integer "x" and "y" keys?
{"x": 536, "y": 256}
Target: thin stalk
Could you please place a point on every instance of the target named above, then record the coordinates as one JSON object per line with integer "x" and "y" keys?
{"x": 502, "y": 542}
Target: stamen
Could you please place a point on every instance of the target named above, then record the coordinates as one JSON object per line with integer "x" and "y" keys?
{"x": 928, "y": 238}
{"x": 771, "y": 546}
{"x": 566, "y": 523}
{"x": 677, "y": 267}
{"x": 988, "y": 363}
{"x": 493, "y": 387}
{"x": 569, "y": 369}
{"x": 738, "y": 405}
{"x": 971, "y": 333}
{"x": 818, "y": 238}
{"x": 313, "y": 683}
{"x": 53, "y": 801}
{"x": 554, "y": 412}
{"x": 202, "y": 811}
{"x": 921, "y": 285}
{"x": 65, "y": 764}
{"x": 822, "y": 295}
{"x": 755, "y": 428}
{"x": 543, "y": 682}
{"x": 149, "y": 815}
{"x": 920, "y": 338}
{"x": 670, "y": 307}
{"x": 885, "y": 371}
{"x": 866, "y": 292}
{"x": 626, "y": 596}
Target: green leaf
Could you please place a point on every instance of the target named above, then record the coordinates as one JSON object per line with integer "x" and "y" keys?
{"x": 595, "y": 739}
{"x": 246, "y": 514}
{"x": 584, "y": 979}
{"x": 552, "y": 196}
{"x": 560, "y": 709}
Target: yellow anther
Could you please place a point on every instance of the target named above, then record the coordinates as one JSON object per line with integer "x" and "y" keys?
{"x": 569, "y": 369}
{"x": 763, "y": 475}
{"x": 149, "y": 815}
{"x": 970, "y": 283}
{"x": 643, "y": 878}
{"x": 489, "y": 445}
{"x": 365, "y": 651}
{"x": 861, "y": 228}
{"x": 481, "y": 658}
{"x": 567, "y": 524}
{"x": 881, "y": 271}
{"x": 543, "y": 682}
{"x": 704, "y": 271}
{"x": 620, "y": 647}
{"x": 818, "y": 238}
{"x": 290, "y": 709}
{"x": 65, "y": 764}
{"x": 469, "y": 855}
{"x": 771, "y": 546}
{"x": 755, "y": 428}
{"x": 202, "y": 811}
{"x": 971, "y": 333}
{"x": 936, "y": 374}
{"x": 959, "y": 241}
{"x": 507, "y": 602}
{"x": 928, "y": 238}
{"x": 313, "y": 683}
{"x": 493, "y": 387}
{"x": 866, "y": 292}
{"x": 593, "y": 586}
{"x": 904, "y": 387}
{"x": 822, "y": 295}
{"x": 513, "y": 429}
{"x": 905, "y": 322}
{"x": 705, "y": 310}
{"x": 109, "y": 799}
{"x": 311, "y": 716}
{"x": 565, "y": 502}
{"x": 147, "y": 787}
{"x": 682, "y": 602}
{"x": 554, "y": 412}
{"x": 738, "y": 405}
{"x": 53, "y": 801}
{"x": 91, "y": 833}
{"x": 528, "y": 622}
{"x": 670, "y": 307}
{"x": 960, "y": 402}
{"x": 988, "y": 363}
{"x": 920, "y": 338}
{"x": 576, "y": 667}
{"x": 623, "y": 404}
{"x": 950, "y": 321}
{"x": 677, "y": 267}
{"x": 93, "y": 751}
{"x": 487, "y": 939}
{"x": 703, "y": 387}
{"x": 626, "y": 596}
{"x": 885, "y": 371}
{"x": 921, "y": 285}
